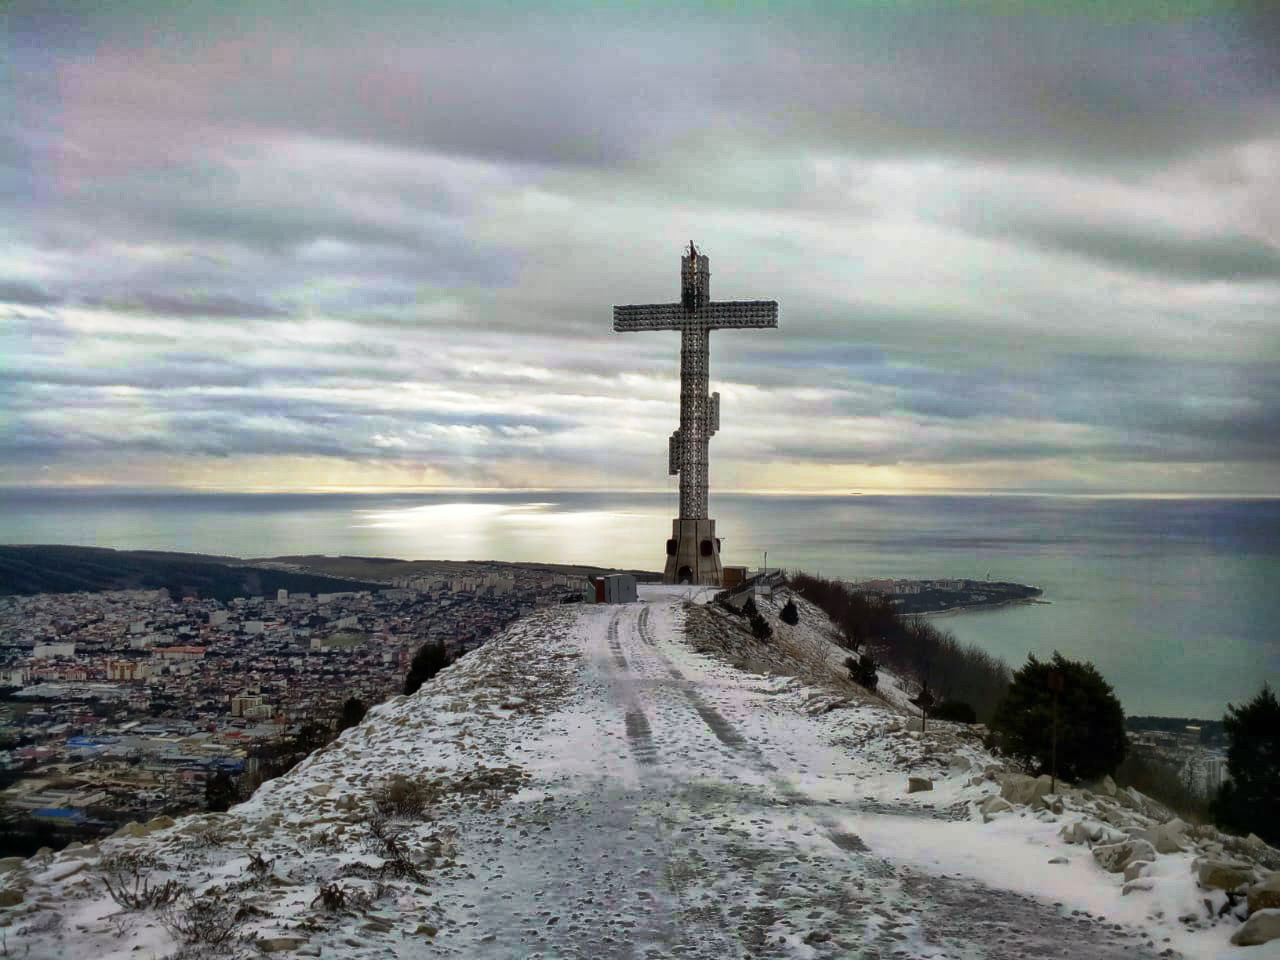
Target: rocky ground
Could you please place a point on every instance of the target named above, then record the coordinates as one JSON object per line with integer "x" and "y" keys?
{"x": 649, "y": 781}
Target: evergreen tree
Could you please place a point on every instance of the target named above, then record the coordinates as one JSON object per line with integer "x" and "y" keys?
{"x": 219, "y": 792}
{"x": 862, "y": 670}
{"x": 353, "y": 711}
{"x": 790, "y": 614}
{"x": 1090, "y": 725}
{"x": 956, "y": 711}
{"x": 749, "y": 608}
{"x": 760, "y": 627}
{"x": 430, "y": 659}
{"x": 1247, "y": 802}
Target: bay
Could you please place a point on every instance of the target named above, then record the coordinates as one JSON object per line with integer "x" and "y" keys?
{"x": 1175, "y": 601}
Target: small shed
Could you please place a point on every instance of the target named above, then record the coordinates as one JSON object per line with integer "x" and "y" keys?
{"x": 734, "y": 577}
{"x": 614, "y": 588}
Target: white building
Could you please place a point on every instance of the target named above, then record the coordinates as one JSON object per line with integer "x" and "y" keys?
{"x": 45, "y": 651}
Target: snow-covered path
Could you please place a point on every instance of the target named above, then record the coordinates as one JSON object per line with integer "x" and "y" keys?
{"x": 594, "y": 789}
{"x": 678, "y": 809}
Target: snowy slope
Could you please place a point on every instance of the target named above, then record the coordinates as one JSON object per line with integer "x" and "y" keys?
{"x": 590, "y": 785}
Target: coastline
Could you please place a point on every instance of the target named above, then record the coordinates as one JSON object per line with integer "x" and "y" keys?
{"x": 973, "y": 607}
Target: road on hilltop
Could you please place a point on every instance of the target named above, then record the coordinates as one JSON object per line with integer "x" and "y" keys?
{"x": 686, "y": 812}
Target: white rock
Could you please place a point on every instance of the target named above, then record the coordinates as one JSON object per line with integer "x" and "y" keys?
{"x": 1223, "y": 874}
{"x": 1136, "y": 868}
{"x": 1261, "y": 927}
{"x": 1106, "y": 787}
{"x": 1052, "y": 803}
{"x": 1164, "y": 839}
{"x": 1114, "y": 857}
{"x": 1133, "y": 886}
{"x": 994, "y": 804}
{"x": 1019, "y": 788}
{"x": 1074, "y": 833}
{"x": 1265, "y": 894}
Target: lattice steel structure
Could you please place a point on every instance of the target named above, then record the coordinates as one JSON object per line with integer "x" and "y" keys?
{"x": 695, "y": 316}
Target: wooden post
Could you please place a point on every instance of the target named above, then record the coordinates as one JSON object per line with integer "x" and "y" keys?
{"x": 1056, "y": 680}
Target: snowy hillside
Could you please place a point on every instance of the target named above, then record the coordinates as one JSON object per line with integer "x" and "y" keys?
{"x": 646, "y": 781}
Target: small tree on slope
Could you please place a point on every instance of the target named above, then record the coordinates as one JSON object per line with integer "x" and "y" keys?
{"x": 430, "y": 659}
{"x": 1090, "y": 724}
{"x": 353, "y": 711}
{"x": 1247, "y": 802}
{"x": 790, "y": 615}
{"x": 760, "y": 627}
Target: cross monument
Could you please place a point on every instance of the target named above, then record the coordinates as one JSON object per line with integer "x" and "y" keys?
{"x": 693, "y": 552}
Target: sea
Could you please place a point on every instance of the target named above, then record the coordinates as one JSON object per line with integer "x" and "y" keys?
{"x": 1175, "y": 601}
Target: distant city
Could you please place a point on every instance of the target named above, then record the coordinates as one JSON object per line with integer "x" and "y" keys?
{"x": 120, "y": 706}
{"x": 123, "y": 705}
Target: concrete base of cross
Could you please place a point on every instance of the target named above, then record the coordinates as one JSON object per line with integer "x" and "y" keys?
{"x": 693, "y": 554}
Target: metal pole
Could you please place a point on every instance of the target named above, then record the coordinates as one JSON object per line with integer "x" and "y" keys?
{"x": 1057, "y": 680}
{"x": 1053, "y": 780}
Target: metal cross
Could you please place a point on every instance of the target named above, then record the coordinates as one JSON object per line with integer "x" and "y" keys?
{"x": 695, "y": 316}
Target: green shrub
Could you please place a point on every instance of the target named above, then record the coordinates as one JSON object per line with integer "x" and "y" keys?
{"x": 790, "y": 615}
{"x": 760, "y": 628}
{"x": 863, "y": 671}
{"x": 430, "y": 659}
{"x": 353, "y": 711}
{"x": 1247, "y": 802}
{"x": 956, "y": 711}
{"x": 1090, "y": 720}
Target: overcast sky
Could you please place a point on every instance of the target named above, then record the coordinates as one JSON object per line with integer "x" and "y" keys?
{"x": 304, "y": 246}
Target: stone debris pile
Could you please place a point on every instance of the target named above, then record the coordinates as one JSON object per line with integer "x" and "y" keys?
{"x": 1146, "y": 846}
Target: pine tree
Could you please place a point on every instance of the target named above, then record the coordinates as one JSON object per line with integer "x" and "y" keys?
{"x": 1247, "y": 802}
{"x": 1090, "y": 721}
{"x": 790, "y": 614}
{"x": 430, "y": 659}
{"x": 760, "y": 628}
{"x": 353, "y": 711}
{"x": 862, "y": 670}
{"x": 219, "y": 792}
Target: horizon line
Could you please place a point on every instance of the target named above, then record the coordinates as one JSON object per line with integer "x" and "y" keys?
{"x": 369, "y": 490}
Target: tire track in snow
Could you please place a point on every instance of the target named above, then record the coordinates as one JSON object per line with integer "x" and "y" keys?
{"x": 687, "y": 928}
{"x": 719, "y": 725}
{"x": 958, "y": 913}
{"x": 639, "y": 733}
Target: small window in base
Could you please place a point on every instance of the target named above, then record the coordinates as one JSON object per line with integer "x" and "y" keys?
{"x": 671, "y": 547}
{"x": 705, "y": 548}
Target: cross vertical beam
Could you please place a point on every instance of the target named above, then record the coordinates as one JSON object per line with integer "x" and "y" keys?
{"x": 695, "y": 316}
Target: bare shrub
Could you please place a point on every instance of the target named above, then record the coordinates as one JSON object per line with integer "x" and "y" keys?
{"x": 207, "y": 920}
{"x": 402, "y": 797}
{"x": 332, "y": 897}
{"x": 127, "y": 879}
{"x": 259, "y": 866}
{"x": 397, "y": 862}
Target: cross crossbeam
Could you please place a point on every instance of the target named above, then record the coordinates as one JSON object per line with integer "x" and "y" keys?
{"x": 734, "y": 314}
{"x": 695, "y": 316}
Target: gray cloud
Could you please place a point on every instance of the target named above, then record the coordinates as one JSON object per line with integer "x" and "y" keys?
{"x": 396, "y": 236}
{"x": 26, "y": 294}
{"x": 1164, "y": 253}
